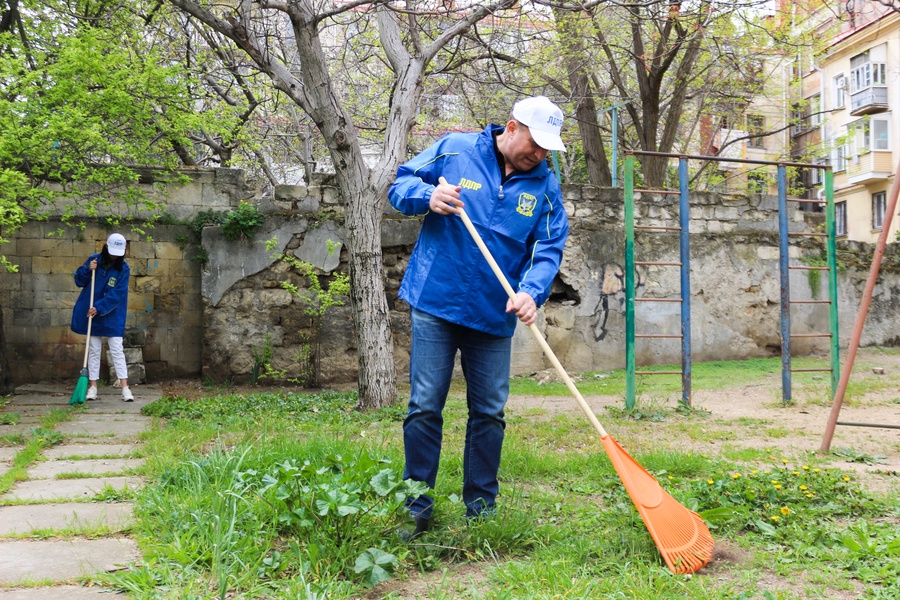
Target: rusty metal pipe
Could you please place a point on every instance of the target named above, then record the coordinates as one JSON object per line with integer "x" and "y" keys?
{"x": 862, "y": 312}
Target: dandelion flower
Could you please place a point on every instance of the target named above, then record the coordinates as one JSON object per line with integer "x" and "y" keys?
{"x": 784, "y": 460}
{"x": 709, "y": 481}
{"x": 816, "y": 470}
{"x": 846, "y": 478}
{"x": 805, "y": 467}
{"x": 803, "y": 487}
{"x": 754, "y": 471}
{"x": 785, "y": 510}
{"x": 775, "y": 518}
{"x": 796, "y": 472}
{"x": 736, "y": 476}
{"x": 777, "y": 486}
{"x": 774, "y": 482}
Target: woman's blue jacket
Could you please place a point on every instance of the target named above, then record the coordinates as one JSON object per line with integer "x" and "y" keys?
{"x": 110, "y": 299}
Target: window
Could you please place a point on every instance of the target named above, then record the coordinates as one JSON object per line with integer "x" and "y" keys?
{"x": 840, "y": 218}
{"x": 839, "y": 158}
{"x": 870, "y": 133}
{"x": 756, "y": 125}
{"x": 815, "y": 111}
{"x": 796, "y": 119}
{"x": 868, "y": 69}
{"x": 817, "y": 176}
{"x": 840, "y": 91}
{"x": 756, "y": 183}
{"x": 878, "y": 205}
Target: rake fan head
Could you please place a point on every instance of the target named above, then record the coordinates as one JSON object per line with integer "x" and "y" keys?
{"x": 678, "y": 532}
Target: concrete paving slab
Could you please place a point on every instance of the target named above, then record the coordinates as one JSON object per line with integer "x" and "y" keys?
{"x": 49, "y": 400}
{"x": 44, "y": 388}
{"x": 4, "y": 467}
{"x": 8, "y": 452}
{"x": 51, "y": 469}
{"x": 120, "y": 426}
{"x": 61, "y": 560}
{"x": 17, "y": 429}
{"x": 25, "y": 518}
{"x": 61, "y": 592}
{"x": 68, "y": 489}
{"x": 88, "y": 450}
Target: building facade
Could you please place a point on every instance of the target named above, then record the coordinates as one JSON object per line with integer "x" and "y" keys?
{"x": 842, "y": 111}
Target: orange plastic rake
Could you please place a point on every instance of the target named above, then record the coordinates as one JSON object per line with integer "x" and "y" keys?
{"x": 678, "y": 532}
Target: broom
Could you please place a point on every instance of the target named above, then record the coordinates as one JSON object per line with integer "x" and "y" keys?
{"x": 81, "y": 387}
{"x": 680, "y": 534}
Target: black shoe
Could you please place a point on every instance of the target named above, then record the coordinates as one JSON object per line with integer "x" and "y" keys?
{"x": 422, "y": 525}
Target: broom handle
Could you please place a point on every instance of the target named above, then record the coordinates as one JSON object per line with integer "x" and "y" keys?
{"x": 537, "y": 334}
{"x": 87, "y": 345}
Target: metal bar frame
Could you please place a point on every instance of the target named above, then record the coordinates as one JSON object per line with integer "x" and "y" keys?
{"x": 785, "y": 281}
{"x": 685, "y": 252}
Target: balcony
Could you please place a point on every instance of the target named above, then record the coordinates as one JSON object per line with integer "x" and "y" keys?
{"x": 871, "y": 100}
{"x": 869, "y": 167}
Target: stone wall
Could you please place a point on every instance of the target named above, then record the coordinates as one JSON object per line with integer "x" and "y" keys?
{"x": 219, "y": 318}
{"x": 164, "y": 325}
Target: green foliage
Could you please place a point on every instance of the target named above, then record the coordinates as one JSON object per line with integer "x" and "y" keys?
{"x": 204, "y": 218}
{"x": 343, "y": 504}
{"x": 325, "y": 406}
{"x": 87, "y": 96}
{"x": 317, "y": 298}
{"x": 764, "y": 500}
{"x": 242, "y": 222}
{"x": 262, "y": 360}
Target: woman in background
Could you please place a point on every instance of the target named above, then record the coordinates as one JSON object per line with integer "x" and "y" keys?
{"x": 107, "y": 311}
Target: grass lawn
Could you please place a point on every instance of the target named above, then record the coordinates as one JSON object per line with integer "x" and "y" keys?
{"x": 275, "y": 494}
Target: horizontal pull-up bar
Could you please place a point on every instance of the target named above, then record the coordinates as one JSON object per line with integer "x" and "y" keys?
{"x": 723, "y": 159}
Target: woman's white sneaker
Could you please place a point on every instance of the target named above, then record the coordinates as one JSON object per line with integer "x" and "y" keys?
{"x": 127, "y": 396}
{"x": 91, "y": 393}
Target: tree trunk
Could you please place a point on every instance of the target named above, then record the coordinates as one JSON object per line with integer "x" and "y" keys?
{"x": 573, "y": 29}
{"x": 374, "y": 339}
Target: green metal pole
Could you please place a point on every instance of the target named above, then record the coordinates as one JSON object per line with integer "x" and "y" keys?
{"x": 629, "y": 283}
{"x": 831, "y": 255}
{"x": 615, "y": 146}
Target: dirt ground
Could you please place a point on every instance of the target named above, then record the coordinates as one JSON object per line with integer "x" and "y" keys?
{"x": 754, "y": 416}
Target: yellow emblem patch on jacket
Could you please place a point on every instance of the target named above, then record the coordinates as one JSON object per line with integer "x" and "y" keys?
{"x": 111, "y": 282}
{"x": 527, "y": 202}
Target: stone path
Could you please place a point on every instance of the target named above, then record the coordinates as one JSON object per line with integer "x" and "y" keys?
{"x": 52, "y": 536}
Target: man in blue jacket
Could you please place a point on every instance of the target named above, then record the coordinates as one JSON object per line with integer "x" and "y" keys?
{"x": 502, "y": 178}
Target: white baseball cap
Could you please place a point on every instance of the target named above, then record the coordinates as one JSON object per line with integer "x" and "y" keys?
{"x": 116, "y": 244}
{"x": 543, "y": 118}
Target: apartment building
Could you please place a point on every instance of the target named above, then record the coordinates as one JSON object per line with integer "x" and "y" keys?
{"x": 843, "y": 112}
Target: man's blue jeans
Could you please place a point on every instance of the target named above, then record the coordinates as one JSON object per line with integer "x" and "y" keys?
{"x": 485, "y": 362}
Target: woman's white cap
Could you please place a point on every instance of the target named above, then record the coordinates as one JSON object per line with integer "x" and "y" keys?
{"x": 116, "y": 244}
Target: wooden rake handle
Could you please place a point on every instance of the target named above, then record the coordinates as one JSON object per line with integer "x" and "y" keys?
{"x": 87, "y": 345}
{"x": 537, "y": 334}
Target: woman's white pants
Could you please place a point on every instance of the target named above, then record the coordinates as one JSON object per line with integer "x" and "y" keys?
{"x": 116, "y": 351}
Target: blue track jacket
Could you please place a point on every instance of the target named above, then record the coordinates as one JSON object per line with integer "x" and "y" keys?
{"x": 110, "y": 299}
{"x": 525, "y": 230}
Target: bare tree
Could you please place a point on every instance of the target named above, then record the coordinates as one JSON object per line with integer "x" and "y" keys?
{"x": 408, "y": 46}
